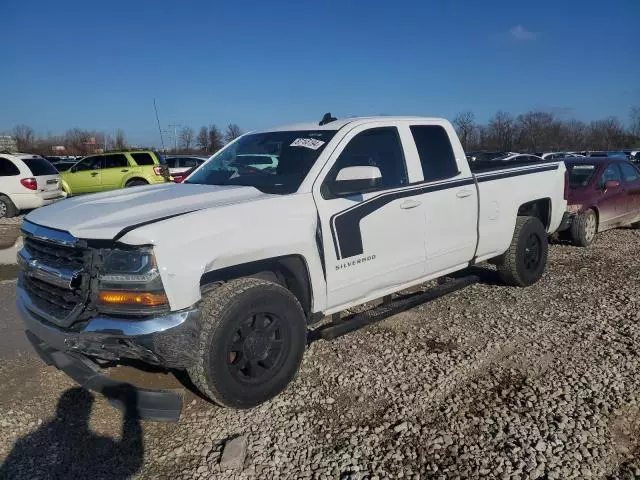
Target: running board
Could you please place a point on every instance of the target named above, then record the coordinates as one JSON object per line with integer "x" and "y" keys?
{"x": 338, "y": 328}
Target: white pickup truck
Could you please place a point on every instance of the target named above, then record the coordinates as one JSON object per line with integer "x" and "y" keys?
{"x": 220, "y": 276}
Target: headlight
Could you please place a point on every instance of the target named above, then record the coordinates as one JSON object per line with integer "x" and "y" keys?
{"x": 129, "y": 283}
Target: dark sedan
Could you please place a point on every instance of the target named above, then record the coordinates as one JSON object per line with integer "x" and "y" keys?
{"x": 603, "y": 193}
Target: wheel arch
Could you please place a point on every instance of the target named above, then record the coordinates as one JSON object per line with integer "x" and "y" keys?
{"x": 539, "y": 208}
{"x": 135, "y": 178}
{"x": 291, "y": 271}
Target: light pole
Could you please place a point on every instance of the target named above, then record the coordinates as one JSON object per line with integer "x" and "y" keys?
{"x": 175, "y": 135}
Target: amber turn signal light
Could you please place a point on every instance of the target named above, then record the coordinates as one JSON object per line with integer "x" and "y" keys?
{"x": 146, "y": 299}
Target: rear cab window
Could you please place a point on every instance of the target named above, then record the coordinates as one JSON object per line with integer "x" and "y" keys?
{"x": 8, "y": 168}
{"x": 436, "y": 153}
{"x": 39, "y": 166}
{"x": 143, "y": 158}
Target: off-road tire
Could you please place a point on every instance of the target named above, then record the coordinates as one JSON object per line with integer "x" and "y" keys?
{"x": 580, "y": 228}
{"x": 224, "y": 312}
{"x": 7, "y": 208}
{"x": 135, "y": 183}
{"x": 515, "y": 266}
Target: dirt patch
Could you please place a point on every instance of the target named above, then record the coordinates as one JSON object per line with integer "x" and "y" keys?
{"x": 9, "y": 272}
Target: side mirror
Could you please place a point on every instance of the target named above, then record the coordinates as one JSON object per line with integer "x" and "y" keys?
{"x": 611, "y": 184}
{"x": 354, "y": 180}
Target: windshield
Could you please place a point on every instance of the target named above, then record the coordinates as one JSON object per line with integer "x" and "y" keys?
{"x": 580, "y": 174}
{"x": 272, "y": 162}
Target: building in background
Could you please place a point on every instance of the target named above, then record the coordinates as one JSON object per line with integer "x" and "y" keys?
{"x": 8, "y": 144}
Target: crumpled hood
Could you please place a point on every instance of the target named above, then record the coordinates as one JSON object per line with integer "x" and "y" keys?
{"x": 104, "y": 215}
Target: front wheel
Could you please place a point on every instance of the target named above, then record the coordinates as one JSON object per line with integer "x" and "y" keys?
{"x": 584, "y": 228}
{"x": 525, "y": 261}
{"x": 251, "y": 344}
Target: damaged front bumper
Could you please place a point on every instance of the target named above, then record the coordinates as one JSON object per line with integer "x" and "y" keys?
{"x": 168, "y": 341}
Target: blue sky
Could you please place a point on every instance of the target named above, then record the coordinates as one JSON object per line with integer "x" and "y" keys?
{"x": 99, "y": 65}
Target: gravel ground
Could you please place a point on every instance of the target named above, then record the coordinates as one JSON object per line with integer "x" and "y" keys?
{"x": 495, "y": 382}
{"x": 17, "y": 220}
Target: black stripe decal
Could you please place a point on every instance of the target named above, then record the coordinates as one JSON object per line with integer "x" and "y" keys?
{"x": 487, "y": 177}
{"x": 345, "y": 225}
{"x": 130, "y": 228}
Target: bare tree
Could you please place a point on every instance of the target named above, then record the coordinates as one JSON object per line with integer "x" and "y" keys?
{"x": 634, "y": 116}
{"x": 202, "y": 140}
{"x": 233, "y": 132}
{"x": 216, "y": 142}
{"x": 465, "y": 125}
{"x": 25, "y": 137}
{"x": 186, "y": 138}
{"x": 536, "y": 130}
{"x": 121, "y": 143}
{"x": 500, "y": 131}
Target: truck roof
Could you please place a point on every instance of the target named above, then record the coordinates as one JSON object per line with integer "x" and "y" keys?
{"x": 338, "y": 124}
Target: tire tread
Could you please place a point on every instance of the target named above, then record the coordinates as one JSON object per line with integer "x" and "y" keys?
{"x": 213, "y": 306}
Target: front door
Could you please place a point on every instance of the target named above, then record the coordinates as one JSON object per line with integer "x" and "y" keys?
{"x": 612, "y": 204}
{"x": 86, "y": 175}
{"x": 374, "y": 240}
{"x": 631, "y": 182}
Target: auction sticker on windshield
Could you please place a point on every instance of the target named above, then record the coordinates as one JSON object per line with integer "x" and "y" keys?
{"x": 311, "y": 143}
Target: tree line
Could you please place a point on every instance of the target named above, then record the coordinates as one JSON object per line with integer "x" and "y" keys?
{"x": 76, "y": 141}
{"x": 538, "y": 131}
{"x": 532, "y": 131}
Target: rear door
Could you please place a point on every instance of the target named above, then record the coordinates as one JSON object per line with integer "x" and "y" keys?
{"x": 449, "y": 200}
{"x": 86, "y": 175}
{"x": 612, "y": 204}
{"x": 46, "y": 175}
{"x": 373, "y": 241}
{"x": 631, "y": 182}
{"x": 116, "y": 167}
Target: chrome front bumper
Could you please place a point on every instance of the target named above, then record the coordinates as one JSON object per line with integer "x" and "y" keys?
{"x": 168, "y": 340}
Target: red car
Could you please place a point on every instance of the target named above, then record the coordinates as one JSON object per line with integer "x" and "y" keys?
{"x": 603, "y": 193}
{"x": 180, "y": 177}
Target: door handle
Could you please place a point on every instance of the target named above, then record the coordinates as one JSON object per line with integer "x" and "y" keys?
{"x": 124, "y": 170}
{"x": 409, "y": 204}
{"x": 93, "y": 174}
{"x": 464, "y": 193}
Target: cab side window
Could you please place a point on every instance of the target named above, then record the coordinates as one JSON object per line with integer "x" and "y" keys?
{"x": 611, "y": 173}
{"x": 629, "y": 173}
{"x": 435, "y": 151}
{"x": 90, "y": 163}
{"x": 376, "y": 147}
{"x": 116, "y": 160}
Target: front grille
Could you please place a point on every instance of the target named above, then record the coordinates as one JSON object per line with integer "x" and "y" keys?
{"x": 54, "y": 274}
{"x": 56, "y": 302}
{"x": 58, "y": 256}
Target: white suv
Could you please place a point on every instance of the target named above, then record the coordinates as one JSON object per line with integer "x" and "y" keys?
{"x": 26, "y": 182}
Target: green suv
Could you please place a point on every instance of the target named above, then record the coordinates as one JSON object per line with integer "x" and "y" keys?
{"x": 108, "y": 171}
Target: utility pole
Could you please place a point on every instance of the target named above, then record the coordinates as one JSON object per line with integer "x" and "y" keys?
{"x": 175, "y": 135}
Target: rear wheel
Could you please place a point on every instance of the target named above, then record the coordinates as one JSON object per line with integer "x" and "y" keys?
{"x": 584, "y": 228}
{"x": 135, "y": 183}
{"x": 524, "y": 263}
{"x": 251, "y": 344}
{"x": 7, "y": 208}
